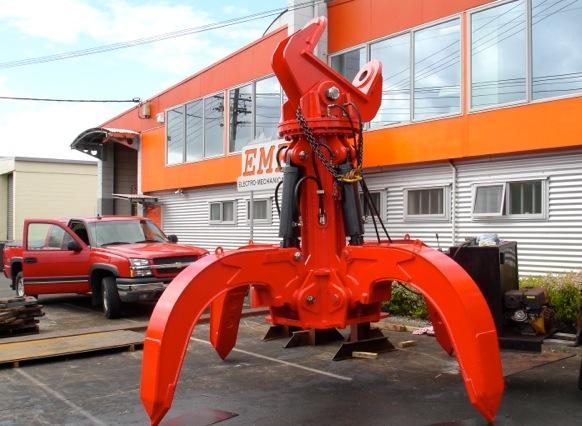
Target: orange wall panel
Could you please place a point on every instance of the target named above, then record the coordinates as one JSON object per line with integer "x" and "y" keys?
{"x": 156, "y": 176}
{"x": 538, "y": 126}
{"x": 354, "y": 22}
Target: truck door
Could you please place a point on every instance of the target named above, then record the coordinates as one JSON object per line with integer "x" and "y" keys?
{"x": 55, "y": 260}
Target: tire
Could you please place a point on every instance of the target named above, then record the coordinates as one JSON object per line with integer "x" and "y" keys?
{"x": 111, "y": 300}
{"x": 19, "y": 285}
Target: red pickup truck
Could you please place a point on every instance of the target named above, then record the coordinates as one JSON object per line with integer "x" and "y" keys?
{"x": 114, "y": 258}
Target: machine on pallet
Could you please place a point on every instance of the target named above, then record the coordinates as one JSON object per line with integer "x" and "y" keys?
{"x": 522, "y": 316}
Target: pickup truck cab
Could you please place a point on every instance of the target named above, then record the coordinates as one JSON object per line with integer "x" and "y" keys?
{"x": 114, "y": 258}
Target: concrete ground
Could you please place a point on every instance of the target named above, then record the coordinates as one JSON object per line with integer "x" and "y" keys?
{"x": 268, "y": 385}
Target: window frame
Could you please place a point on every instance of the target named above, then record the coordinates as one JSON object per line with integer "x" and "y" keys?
{"x": 269, "y": 219}
{"x": 444, "y": 217}
{"x": 221, "y": 221}
{"x": 505, "y": 214}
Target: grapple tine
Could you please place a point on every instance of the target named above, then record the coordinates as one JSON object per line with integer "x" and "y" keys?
{"x": 221, "y": 275}
{"x": 225, "y": 313}
{"x": 440, "y": 330}
{"x": 464, "y": 321}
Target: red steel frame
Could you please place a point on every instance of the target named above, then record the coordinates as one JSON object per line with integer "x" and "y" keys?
{"x": 323, "y": 282}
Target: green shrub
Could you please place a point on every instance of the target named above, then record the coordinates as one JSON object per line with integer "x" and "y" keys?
{"x": 563, "y": 293}
{"x": 406, "y": 302}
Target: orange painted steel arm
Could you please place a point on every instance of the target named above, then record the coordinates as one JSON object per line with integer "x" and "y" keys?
{"x": 457, "y": 300}
{"x": 184, "y": 301}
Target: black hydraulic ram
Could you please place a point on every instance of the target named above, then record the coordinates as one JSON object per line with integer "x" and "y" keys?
{"x": 288, "y": 219}
{"x": 351, "y": 208}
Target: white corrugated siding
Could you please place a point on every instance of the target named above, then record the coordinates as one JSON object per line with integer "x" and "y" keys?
{"x": 393, "y": 184}
{"x": 552, "y": 244}
{"x": 187, "y": 215}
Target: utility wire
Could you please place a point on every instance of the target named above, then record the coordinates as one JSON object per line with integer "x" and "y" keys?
{"x": 155, "y": 38}
{"x": 16, "y": 98}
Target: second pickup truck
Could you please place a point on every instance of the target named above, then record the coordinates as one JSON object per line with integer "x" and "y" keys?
{"x": 114, "y": 258}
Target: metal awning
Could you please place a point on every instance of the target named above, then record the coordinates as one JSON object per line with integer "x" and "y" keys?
{"x": 91, "y": 141}
{"x": 137, "y": 198}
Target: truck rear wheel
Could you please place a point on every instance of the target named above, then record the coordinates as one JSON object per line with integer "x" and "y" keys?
{"x": 111, "y": 300}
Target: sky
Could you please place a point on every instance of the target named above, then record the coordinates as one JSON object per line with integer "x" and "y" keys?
{"x": 33, "y": 28}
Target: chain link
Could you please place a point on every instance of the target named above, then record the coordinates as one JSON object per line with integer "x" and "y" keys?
{"x": 353, "y": 175}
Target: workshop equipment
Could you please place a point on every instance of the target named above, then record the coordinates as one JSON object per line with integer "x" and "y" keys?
{"x": 522, "y": 316}
{"x": 315, "y": 279}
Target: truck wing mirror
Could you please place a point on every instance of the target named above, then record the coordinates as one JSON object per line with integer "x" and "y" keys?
{"x": 172, "y": 238}
{"x": 73, "y": 246}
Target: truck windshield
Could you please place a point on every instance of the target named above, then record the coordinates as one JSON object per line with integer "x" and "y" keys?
{"x": 125, "y": 232}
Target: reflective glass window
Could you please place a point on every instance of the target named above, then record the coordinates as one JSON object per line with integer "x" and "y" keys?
{"x": 394, "y": 53}
{"x": 214, "y": 125}
{"x": 556, "y": 52}
{"x": 241, "y": 117}
{"x": 437, "y": 71}
{"x": 267, "y": 108}
{"x": 194, "y": 131}
{"x": 175, "y": 135}
{"x": 349, "y": 63}
{"x": 489, "y": 199}
{"x": 498, "y": 60}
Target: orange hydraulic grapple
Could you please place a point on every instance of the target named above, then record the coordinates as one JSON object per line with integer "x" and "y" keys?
{"x": 323, "y": 275}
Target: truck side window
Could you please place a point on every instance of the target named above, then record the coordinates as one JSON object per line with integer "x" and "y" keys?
{"x": 79, "y": 229}
{"x": 44, "y": 236}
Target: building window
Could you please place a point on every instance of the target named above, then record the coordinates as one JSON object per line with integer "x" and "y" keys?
{"x": 518, "y": 198}
{"x": 498, "y": 60}
{"x": 437, "y": 70}
{"x": 222, "y": 212}
{"x": 195, "y": 131}
{"x": 241, "y": 117}
{"x": 214, "y": 125}
{"x": 261, "y": 211}
{"x": 489, "y": 200}
{"x": 349, "y": 63}
{"x": 525, "y": 197}
{"x": 254, "y": 112}
{"x": 175, "y": 135}
{"x": 394, "y": 53}
{"x": 425, "y": 202}
{"x": 368, "y": 210}
{"x": 556, "y": 58}
{"x": 267, "y": 108}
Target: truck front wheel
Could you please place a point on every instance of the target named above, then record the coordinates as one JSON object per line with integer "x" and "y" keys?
{"x": 111, "y": 300}
{"x": 19, "y": 285}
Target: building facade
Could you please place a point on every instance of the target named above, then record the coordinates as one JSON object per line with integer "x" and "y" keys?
{"x": 44, "y": 188}
{"x": 480, "y": 128}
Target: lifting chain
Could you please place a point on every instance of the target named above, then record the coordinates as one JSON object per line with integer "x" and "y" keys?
{"x": 354, "y": 175}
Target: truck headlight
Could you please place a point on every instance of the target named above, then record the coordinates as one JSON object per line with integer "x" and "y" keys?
{"x": 139, "y": 268}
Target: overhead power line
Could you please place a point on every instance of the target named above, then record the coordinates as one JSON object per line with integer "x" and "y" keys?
{"x": 17, "y": 98}
{"x": 155, "y": 38}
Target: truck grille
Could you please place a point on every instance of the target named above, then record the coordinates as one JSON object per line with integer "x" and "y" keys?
{"x": 170, "y": 266}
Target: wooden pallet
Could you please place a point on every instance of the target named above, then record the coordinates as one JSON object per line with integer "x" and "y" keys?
{"x": 17, "y": 352}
